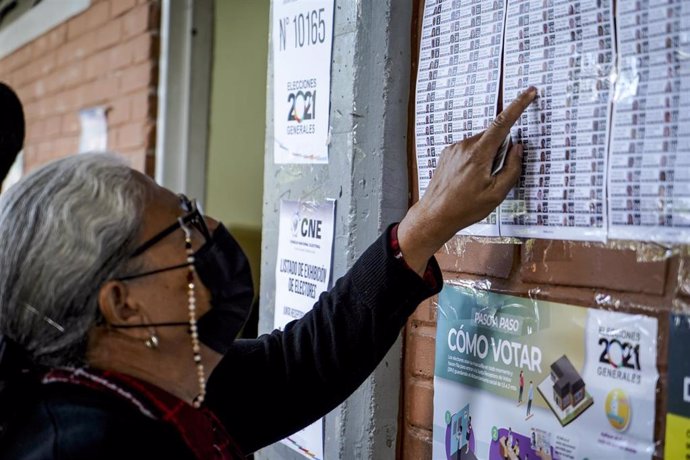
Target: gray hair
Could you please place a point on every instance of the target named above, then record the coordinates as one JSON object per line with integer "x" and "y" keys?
{"x": 64, "y": 230}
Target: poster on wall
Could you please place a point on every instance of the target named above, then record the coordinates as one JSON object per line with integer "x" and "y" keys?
{"x": 521, "y": 378}
{"x": 303, "y": 272}
{"x": 678, "y": 402}
{"x": 457, "y": 83}
{"x": 302, "y": 37}
{"x": 94, "y": 130}
{"x": 565, "y": 49}
{"x": 649, "y": 175}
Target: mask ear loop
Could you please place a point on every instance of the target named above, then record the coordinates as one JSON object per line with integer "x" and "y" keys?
{"x": 191, "y": 293}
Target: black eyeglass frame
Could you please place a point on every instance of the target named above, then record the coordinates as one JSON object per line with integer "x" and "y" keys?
{"x": 194, "y": 218}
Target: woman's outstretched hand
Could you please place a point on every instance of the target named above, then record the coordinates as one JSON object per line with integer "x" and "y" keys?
{"x": 463, "y": 191}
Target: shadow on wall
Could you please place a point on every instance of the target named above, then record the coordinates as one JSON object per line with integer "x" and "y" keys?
{"x": 249, "y": 238}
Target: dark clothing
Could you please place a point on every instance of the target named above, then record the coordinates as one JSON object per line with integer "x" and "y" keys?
{"x": 263, "y": 390}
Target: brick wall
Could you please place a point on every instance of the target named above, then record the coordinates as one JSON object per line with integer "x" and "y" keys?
{"x": 639, "y": 281}
{"x": 105, "y": 56}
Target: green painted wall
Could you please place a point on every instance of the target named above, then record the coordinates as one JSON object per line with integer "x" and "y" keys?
{"x": 234, "y": 190}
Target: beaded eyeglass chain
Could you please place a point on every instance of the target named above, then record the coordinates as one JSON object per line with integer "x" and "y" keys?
{"x": 196, "y": 348}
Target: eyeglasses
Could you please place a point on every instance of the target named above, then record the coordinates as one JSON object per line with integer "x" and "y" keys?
{"x": 193, "y": 217}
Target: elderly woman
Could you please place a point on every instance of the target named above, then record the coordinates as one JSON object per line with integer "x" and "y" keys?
{"x": 120, "y": 302}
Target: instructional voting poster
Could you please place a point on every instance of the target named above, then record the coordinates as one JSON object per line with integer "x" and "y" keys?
{"x": 303, "y": 272}
{"x": 302, "y": 47}
{"x": 522, "y": 378}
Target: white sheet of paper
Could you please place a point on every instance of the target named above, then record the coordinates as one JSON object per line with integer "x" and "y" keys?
{"x": 457, "y": 82}
{"x": 649, "y": 175}
{"x": 303, "y": 272}
{"x": 302, "y": 48}
{"x": 94, "y": 130}
{"x": 566, "y": 50}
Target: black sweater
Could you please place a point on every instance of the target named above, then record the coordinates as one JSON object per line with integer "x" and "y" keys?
{"x": 304, "y": 371}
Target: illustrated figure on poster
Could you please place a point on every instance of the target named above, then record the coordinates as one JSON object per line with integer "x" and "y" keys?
{"x": 530, "y": 397}
{"x": 469, "y": 432}
{"x": 522, "y": 387}
{"x": 458, "y": 432}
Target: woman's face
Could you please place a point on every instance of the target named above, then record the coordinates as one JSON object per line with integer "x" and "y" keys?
{"x": 160, "y": 297}
{"x": 164, "y": 296}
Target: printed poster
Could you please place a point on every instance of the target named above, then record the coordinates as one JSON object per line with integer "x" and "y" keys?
{"x": 565, "y": 49}
{"x": 94, "y": 130}
{"x": 521, "y": 378}
{"x": 678, "y": 403}
{"x": 457, "y": 82}
{"x": 303, "y": 272}
{"x": 649, "y": 176}
{"x": 302, "y": 47}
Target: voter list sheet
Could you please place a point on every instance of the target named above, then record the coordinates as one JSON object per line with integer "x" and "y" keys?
{"x": 649, "y": 176}
{"x": 564, "y": 48}
{"x": 457, "y": 82}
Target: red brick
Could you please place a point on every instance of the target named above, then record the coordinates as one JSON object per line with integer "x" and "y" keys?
{"x": 53, "y": 125}
{"x": 109, "y": 34}
{"x": 117, "y": 7}
{"x": 49, "y": 41}
{"x": 35, "y": 130}
{"x": 101, "y": 90}
{"x": 73, "y": 74}
{"x": 575, "y": 264}
{"x": 18, "y": 58}
{"x": 96, "y": 65}
{"x": 66, "y": 146}
{"x": 120, "y": 56}
{"x": 97, "y": 15}
{"x": 136, "y": 158}
{"x": 143, "y": 105}
{"x": 420, "y": 350}
{"x": 130, "y": 135}
{"x": 45, "y": 65}
{"x": 419, "y": 411}
{"x": 46, "y": 106}
{"x": 144, "y": 47}
{"x": 77, "y": 49}
{"x": 30, "y": 154}
{"x": 416, "y": 444}
{"x": 37, "y": 90}
{"x": 463, "y": 256}
{"x": 119, "y": 112}
{"x": 136, "y": 77}
{"x": 74, "y": 99}
{"x": 426, "y": 311}
{"x": 77, "y": 26}
{"x": 70, "y": 123}
{"x": 31, "y": 110}
{"x": 45, "y": 150}
{"x": 136, "y": 21}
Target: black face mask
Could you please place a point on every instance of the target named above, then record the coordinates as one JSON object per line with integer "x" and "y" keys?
{"x": 223, "y": 268}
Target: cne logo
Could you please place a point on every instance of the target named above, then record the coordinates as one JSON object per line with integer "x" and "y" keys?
{"x": 306, "y": 227}
{"x": 294, "y": 227}
{"x": 310, "y": 228}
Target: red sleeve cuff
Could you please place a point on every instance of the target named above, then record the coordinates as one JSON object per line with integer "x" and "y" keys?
{"x": 428, "y": 276}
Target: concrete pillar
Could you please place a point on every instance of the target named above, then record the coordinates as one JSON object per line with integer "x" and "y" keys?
{"x": 367, "y": 174}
